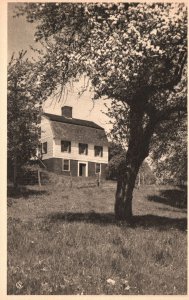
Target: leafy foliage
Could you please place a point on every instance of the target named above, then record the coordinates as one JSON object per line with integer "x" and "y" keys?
{"x": 23, "y": 110}
{"x": 170, "y": 156}
{"x": 146, "y": 175}
{"x": 122, "y": 47}
{"x": 116, "y": 158}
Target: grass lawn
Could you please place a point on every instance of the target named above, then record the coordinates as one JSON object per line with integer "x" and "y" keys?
{"x": 64, "y": 240}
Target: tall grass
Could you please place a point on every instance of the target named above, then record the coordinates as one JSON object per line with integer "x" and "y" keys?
{"x": 65, "y": 241}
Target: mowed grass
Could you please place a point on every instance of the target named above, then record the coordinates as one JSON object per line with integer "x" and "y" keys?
{"x": 64, "y": 240}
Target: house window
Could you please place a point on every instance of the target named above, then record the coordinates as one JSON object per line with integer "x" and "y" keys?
{"x": 65, "y": 165}
{"x": 65, "y": 146}
{"x": 98, "y": 151}
{"x": 97, "y": 168}
{"x": 83, "y": 149}
{"x": 44, "y": 148}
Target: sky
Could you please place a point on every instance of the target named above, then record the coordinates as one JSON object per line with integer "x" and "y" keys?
{"x": 21, "y": 37}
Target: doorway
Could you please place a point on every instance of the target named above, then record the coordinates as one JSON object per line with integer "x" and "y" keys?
{"x": 82, "y": 169}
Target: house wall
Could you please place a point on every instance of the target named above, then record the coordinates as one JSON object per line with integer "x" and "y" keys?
{"x": 75, "y": 153}
{"x": 55, "y": 165}
{"x": 47, "y": 136}
{"x": 91, "y": 169}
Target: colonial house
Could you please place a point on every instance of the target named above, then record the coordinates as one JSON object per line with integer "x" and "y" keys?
{"x": 72, "y": 146}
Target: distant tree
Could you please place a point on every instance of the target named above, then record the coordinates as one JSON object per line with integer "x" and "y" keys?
{"x": 114, "y": 149}
{"x": 116, "y": 155}
{"x": 170, "y": 156}
{"x": 146, "y": 175}
{"x": 133, "y": 53}
{"x": 116, "y": 159}
{"x": 22, "y": 112}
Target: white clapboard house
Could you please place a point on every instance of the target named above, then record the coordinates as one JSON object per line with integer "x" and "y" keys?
{"x": 72, "y": 146}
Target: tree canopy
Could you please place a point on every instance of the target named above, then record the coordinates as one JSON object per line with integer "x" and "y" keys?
{"x": 23, "y": 111}
{"x": 123, "y": 47}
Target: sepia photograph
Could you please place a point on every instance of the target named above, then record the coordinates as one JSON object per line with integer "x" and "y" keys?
{"x": 97, "y": 148}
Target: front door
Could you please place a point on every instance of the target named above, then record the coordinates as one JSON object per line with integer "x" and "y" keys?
{"x": 82, "y": 169}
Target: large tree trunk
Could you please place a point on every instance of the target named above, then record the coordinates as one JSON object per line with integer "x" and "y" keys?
{"x": 124, "y": 192}
{"x": 138, "y": 149}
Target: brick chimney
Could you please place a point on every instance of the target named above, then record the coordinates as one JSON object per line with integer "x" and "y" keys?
{"x": 67, "y": 111}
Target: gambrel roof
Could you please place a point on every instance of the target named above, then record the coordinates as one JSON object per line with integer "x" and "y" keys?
{"x": 77, "y": 130}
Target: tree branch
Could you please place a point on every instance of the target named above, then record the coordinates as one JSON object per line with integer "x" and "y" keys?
{"x": 175, "y": 78}
{"x": 155, "y": 118}
{"x": 166, "y": 113}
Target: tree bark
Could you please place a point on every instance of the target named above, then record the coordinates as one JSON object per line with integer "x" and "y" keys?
{"x": 138, "y": 150}
{"x": 124, "y": 192}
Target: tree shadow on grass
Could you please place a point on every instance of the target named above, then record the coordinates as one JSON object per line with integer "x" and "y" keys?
{"x": 23, "y": 192}
{"x": 145, "y": 221}
{"x": 159, "y": 222}
{"x": 88, "y": 217}
{"x": 172, "y": 197}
